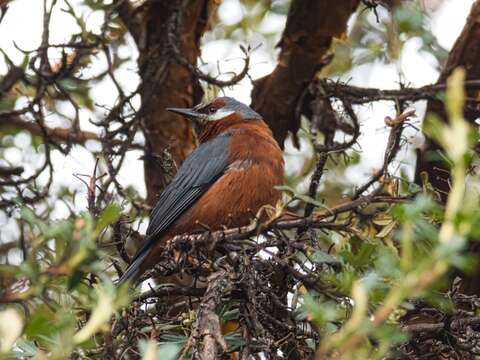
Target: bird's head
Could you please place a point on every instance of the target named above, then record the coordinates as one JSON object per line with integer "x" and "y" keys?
{"x": 221, "y": 108}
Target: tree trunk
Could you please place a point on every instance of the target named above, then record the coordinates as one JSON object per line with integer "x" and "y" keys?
{"x": 311, "y": 26}
{"x": 465, "y": 53}
{"x": 173, "y": 30}
{"x": 168, "y": 35}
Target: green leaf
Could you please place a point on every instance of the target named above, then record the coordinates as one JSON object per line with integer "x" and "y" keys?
{"x": 320, "y": 313}
{"x": 151, "y": 351}
{"x": 286, "y": 189}
{"x": 60, "y": 229}
{"x": 361, "y": 258}
{"x": 234, "y": 340}
{"x": 170, "y": 338}
{"x": 39, "y": 323}
{"x": 24, "y": 349}
{"x": 387, "y": 229}
{"x": 109, "y": 299}
{"x": 108, "y": 215}
{"x": 321, "y": 257}
{"x": 309, "y": 200}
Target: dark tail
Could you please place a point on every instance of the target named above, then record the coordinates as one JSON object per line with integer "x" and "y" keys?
{"x": 134, "y": 270}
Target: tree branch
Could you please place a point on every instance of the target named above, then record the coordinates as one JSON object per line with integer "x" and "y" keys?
{"x": 11, "y": 77}
{"x": 66, "y": 135}
{"x": 6, "y": 171}
{"x": 317, "y": 220}
{"x": 171, "y": 291}
{"x": 304, "y": 46}
{"x": 361, "y": 95}
{"x": 206, "y": 333}
{"x": 131, "y": 18}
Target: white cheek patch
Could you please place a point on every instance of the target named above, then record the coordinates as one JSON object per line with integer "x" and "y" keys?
{"x": 219, "y": 114}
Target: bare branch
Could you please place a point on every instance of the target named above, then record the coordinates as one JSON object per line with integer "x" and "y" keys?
{"x": 57, "y": 134}
{"x": 131, "y": 17}
{"x": 6, "y": 82}
{"x": 360, "y": 95}
{"x": 304, "y": 46}
{"x": 214, "y": 81}
{"x": 206, "y": 335}
{"x": 11, "y": 171}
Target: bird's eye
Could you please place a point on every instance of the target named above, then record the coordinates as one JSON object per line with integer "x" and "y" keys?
{"x": 211, "y": 109}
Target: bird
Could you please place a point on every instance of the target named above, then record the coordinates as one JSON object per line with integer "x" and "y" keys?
{"x": 223, "y": 182}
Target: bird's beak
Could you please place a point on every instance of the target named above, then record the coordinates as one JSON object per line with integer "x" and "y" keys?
{"x": 190, "y": 114}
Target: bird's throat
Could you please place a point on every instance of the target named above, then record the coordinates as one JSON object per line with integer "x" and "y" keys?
{"x": 214, "y": 128}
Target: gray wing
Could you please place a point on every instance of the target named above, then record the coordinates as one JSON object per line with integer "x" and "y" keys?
{"x": 198, "y": 172}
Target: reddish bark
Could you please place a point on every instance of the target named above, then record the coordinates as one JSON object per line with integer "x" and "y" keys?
{"x": 311, "y": 26}
{"x": 169, "y": 84}
{"x": 167, "y": 34}
{"x": 465, "y": 53}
